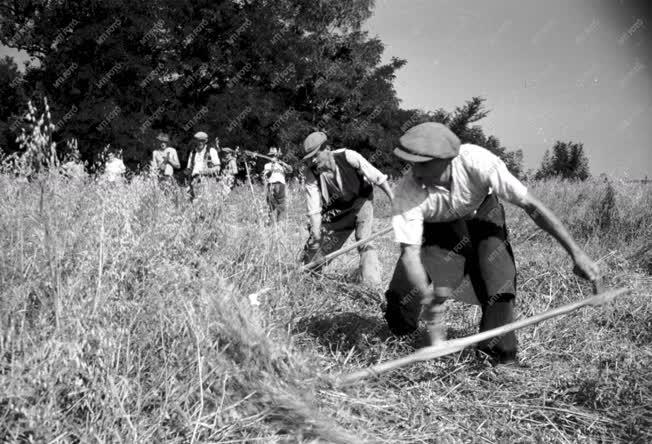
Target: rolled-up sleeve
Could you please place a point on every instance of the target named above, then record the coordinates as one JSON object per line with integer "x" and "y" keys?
{"x": 408, "y": 227}
{"x": 407, "y": 214}
{"x": 313, "y": 196}
{"x": 361, "y": 164}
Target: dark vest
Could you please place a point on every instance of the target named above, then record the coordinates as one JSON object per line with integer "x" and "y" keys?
{"x": 352, "y": 179}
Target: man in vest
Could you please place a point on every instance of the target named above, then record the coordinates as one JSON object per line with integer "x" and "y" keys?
{"x": 274, "y": 175}
{"x": 203, "y": 162}
{"x": 451, "y": 228}
{"x": 165, "y": 160}
{"x": 339, "y": 197}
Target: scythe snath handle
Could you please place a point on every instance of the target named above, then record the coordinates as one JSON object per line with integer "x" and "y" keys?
{"x": 455, "y": 345}
{"x": 329, "y": 257}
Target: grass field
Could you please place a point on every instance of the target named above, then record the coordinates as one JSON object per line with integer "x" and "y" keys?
{"x": 125, "y": 317}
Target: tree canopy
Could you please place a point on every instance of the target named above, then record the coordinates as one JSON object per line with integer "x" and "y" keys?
{"x": 255, "y": 73}
{"x": 567, "y": 161}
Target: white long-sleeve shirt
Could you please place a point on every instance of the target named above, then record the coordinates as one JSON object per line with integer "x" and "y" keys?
{"x": 475, "y": 172}
{"x": 160, "y": 165}
{"x": 197, "y": 160}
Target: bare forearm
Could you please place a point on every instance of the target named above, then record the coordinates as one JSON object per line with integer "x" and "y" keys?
{"x": 551, "y": 224}
{"x": 415, "y": 273}
{"x": 547, "y": 221}
{"x": 315, "y": 224}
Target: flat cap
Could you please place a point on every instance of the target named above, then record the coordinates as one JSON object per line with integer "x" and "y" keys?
{"x": 163, "y": 137}
{"x": 201, "y": 136}
{"x": 428, "y": 141}
{"x": 312, "y": 143}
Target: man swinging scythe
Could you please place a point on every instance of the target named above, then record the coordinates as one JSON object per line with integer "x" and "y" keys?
{"x": 452, "y": 232}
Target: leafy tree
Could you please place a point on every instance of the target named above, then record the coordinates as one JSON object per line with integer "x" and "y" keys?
{"x": 256, "y": 73}
{"x": 13, "y": 100}
{"x": 567, "y": 161}
{"x": 578, "y": 161}
{"x": 461, "y": 121}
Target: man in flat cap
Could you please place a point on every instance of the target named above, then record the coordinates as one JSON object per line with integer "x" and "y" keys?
{"x": 451, "y": 229}
{"x": 203, "y": 161}
{"x": 274, "y": 174}
{"x": 165, "y": 160}
{"x": 339, "y": 193}
{"x": 230, "y": 169}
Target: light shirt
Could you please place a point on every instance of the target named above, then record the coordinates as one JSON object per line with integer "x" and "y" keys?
{"x": 160, "y": 166}
{"x": 475, "y": 173}
{"x": 114, "y": 169}
{"x": 276, "y": 172}
{"x": 73, "y": 170}
{"x": 332, "y": 184}
{"x": 197, "y": 160}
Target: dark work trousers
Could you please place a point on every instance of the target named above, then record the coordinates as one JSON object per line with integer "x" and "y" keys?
{"x": 476, "y": 249}
{"x": 276, "y": 201}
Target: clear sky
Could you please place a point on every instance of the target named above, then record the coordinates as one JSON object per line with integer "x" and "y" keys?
{"x": 550, "y": 69}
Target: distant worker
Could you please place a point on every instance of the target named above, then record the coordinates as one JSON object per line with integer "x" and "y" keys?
{"x": 339, "y": 197}
{"x": 451, "y": 228}
{"x": 114, "y": 168}
{"x": 203, "y": 162}
{"x": 274, "y": 176}
{"x": 73, "y": 167}
{"x": 165, "y": 160}
{"x": 230, "y": 166}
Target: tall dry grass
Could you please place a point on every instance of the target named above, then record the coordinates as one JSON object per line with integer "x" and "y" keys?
{"x": 156, "y": 339}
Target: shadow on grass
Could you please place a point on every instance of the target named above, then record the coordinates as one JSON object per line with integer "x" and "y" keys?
{"x": 350, "y": 329}
{"x": 345, "y": 330}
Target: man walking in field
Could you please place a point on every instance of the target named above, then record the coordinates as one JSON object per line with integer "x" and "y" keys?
{"x": 230, "y": 166}
{"x": 165, "y": 160}
{"x": 203, "y": 162}
{"x": 339, "y": 196}
{"x": 114, "y": 168}
{"x": 451, "y": 229}
{"x": 73, "y": 167}
{"x": 274, "y": 174}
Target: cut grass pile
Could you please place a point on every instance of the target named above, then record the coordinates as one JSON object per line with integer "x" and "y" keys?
{"x": 125, "y": 316}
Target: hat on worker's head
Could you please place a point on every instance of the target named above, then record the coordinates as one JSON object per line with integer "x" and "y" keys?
{"x": 312, "y": 144}
{"x": 428, "y": 141}
{"x": 273, "y": 151}
{"x": 201, "y": 136}
{"x": 162, "y": 137}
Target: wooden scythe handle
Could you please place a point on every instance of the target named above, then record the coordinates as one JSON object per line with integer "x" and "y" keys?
{"x": 455, "y": 345}
{"x": 329, "y": 257}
